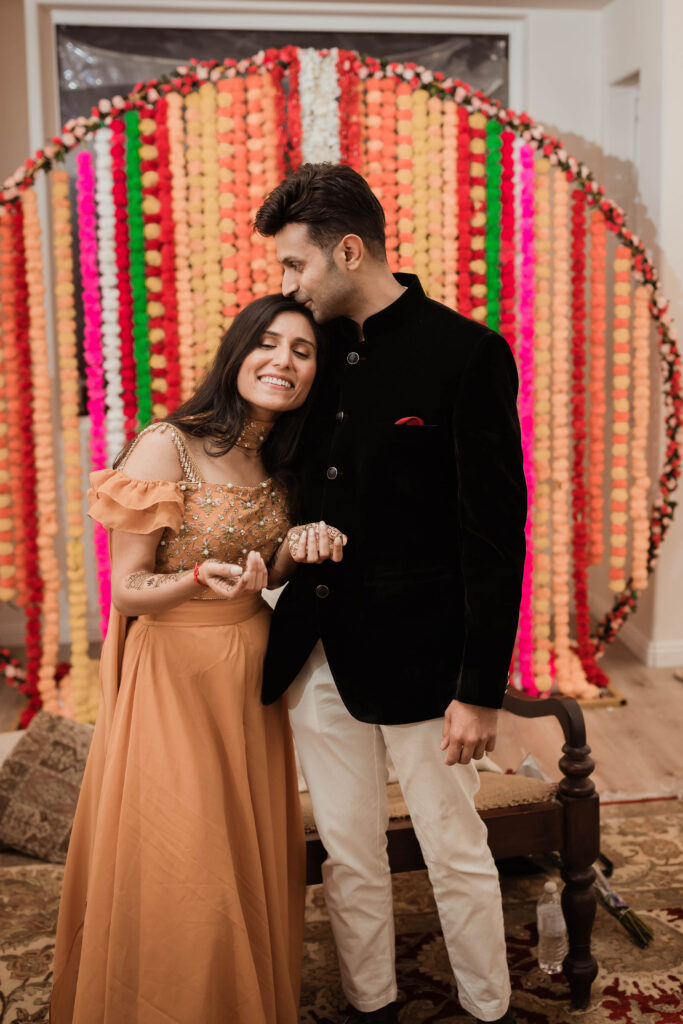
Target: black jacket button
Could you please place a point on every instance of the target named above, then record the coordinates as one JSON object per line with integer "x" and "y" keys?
{"x": 340, "y": 416}
{"x": 322, "y": 590}
{"x": 332, "y": 473}
{"x": 352, "y": 358}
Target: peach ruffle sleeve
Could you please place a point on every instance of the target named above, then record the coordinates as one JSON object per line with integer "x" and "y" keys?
{"x": 120, "y": 502}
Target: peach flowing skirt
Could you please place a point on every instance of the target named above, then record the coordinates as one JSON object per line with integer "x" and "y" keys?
{"x": 184, "y": 884}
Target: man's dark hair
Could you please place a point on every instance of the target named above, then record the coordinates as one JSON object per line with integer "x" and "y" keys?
{"x": 332, "y": 200}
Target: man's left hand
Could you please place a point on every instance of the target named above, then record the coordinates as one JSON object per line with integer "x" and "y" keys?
{"x": 468, "y": 731}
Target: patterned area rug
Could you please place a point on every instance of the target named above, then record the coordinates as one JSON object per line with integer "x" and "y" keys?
{"x": 634, "y": 986}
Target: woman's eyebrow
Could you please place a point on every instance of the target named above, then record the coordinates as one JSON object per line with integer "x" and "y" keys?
{"x": 276, "y": 334}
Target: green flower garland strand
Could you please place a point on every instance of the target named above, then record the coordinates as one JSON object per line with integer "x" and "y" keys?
{"x": 493, "y": 222}
{"x": 137, "y": 267}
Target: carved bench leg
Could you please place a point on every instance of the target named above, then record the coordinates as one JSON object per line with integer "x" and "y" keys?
{"x": 581, "y": 848}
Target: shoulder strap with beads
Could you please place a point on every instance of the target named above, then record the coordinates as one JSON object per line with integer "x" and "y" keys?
{"x": 187, "y": 463}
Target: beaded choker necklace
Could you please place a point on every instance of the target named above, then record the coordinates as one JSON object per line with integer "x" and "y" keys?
{"x": 254, "y": 435}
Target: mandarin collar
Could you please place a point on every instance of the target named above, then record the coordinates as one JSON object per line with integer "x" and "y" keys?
{"x": 393, "y": 316}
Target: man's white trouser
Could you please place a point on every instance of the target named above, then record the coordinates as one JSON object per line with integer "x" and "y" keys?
{"x": 344, "y": 762}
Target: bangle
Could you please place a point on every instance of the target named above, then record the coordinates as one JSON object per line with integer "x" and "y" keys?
{"x": 196, "y": 576}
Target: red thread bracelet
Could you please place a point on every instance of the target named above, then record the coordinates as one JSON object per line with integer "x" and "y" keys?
{"x": 196, "y": 576}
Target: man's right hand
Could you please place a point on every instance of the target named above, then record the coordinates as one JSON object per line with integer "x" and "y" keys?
{"x": 314, "y": 543}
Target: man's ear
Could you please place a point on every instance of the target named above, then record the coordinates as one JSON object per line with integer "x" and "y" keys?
{"x": 352, "y": 251}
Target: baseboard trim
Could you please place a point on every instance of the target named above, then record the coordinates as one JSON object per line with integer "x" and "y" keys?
{"x": 653, "y": 653}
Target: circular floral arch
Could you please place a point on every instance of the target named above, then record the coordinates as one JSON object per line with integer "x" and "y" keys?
{"x": 152, "y": 215}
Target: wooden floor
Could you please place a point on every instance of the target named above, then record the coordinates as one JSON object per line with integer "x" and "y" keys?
{"x": 637, "y": 748}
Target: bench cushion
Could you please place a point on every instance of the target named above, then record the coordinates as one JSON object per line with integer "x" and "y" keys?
{"x": 495, "y": 791}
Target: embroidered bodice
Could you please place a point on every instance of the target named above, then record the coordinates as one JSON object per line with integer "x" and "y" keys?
{"x": 201, "y": 520}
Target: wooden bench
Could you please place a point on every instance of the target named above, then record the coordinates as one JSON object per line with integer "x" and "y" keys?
{"x": 523, "y": 816}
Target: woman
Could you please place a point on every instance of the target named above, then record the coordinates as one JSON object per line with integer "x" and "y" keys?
{"x": 183, "y": 890}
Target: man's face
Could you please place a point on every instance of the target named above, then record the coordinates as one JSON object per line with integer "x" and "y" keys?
{"x": 312, "y": 276}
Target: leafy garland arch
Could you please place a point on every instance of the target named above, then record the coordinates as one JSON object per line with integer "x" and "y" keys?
{"x": 496, "y": 217}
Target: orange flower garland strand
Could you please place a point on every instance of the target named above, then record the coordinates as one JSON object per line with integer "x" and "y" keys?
{"x": 81, "y": 699}
{"x": 598, "y": 399}
{"x": 389, "y": 139}
{"x": 195, "y": 217}
{"x": 10, "y": 456}
{"x": 561, "y": 437}
{"x": 621, "y": 416}
{"x": 45, "y": 460}
{"x": 243, "y": 228}
{"x": 404, "y": 177}
{"x": 372, "y": 147}
{"x": 542, "y": 424}
{"x": 477, "y": 123}
{"x": 183, "y": 272}
{"x": 640, "y": 485}
{"x": 257, "y": 179}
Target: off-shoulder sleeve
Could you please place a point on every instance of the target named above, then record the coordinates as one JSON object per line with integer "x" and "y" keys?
{"x": 119, "y": 502}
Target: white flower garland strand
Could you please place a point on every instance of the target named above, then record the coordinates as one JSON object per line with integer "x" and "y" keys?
{"x": 106, "y": 258}
{"x": 319, "y": 94}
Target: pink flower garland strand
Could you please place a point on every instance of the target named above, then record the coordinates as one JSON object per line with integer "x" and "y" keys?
{"x": 92, "y": 350}
{"x": 526, "y": 365}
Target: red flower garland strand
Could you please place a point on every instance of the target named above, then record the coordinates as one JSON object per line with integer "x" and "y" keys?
{"x": 349, "y": 109}
{"x": 277, "y": 74}
{"x": 293, "y": 148}
{"x": 389, "y": 137}
{"x": 31, "y": 597}
{"x": 578, "y": 417}
{"x": 478, "y": 291}
{"x": 169, "y": 325}
{"x": 464, "y": 214}
{"x": 122, "y": 250}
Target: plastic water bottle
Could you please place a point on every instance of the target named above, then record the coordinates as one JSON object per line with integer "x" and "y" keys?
{"x": 552, "y": 930}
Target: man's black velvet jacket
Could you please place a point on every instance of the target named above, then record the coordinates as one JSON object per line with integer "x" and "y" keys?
{"x": 424, "y": 606}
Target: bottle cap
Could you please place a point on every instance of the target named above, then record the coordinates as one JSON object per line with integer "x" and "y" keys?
{"x": 550, "y": 886}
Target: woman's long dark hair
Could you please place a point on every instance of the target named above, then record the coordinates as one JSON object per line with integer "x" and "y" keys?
{"x": 218, "y": 412}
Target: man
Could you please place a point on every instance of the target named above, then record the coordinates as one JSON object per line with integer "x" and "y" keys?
{"x": 413, "y": 451}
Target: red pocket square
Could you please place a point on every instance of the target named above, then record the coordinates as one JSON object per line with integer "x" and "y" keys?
{"x": 410, "y": 421}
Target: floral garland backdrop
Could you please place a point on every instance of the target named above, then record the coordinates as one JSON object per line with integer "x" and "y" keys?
{"x": 493, "y": 214}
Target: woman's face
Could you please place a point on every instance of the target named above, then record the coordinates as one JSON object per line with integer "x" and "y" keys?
{"x": 277, "y": 375}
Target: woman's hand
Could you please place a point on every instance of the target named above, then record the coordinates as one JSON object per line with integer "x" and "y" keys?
{"x": 314, "y": 543}
{"x": 231, "y": 581}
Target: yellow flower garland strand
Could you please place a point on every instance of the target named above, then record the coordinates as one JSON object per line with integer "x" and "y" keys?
{"x": 598, "y": 397}
{"x": 211, "y": 212}
{"x": 8, "y": 420}
{"x": 435, "y": 197}
{"x": 449, "y": 129}
{"x": 195, "y": 219}
{"x": 477, "y": 123}
{"x": 640, "y": 528}
{"x": 151, "y": 207}
{"x": 46, "y": 496}
{"x": 542, "y": 421}
{"x": 81, "y": 668}
{"x": 621, "y": 381}
{"x": 561, "y": 435}
{"x": 420, "y": 185}
{"x": 183, "y": 273}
